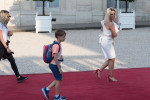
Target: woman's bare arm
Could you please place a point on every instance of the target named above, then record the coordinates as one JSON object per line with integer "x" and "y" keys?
{"x": 113, "y": 30}
{"x": 102, "y": 28}
{"x": 2, "y": 40}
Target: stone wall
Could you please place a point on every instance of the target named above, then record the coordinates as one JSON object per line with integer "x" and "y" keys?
{"x": 142, "y": 8}
{"x": 22, "y": 12}
{"x": 70, "y": 11}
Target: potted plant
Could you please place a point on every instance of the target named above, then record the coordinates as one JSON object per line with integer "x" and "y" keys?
{"x": 43, "y": 22}
{"x": 43, "y": 7}
{"x": 127, "y": 19}
{"x": 126, "y": 9}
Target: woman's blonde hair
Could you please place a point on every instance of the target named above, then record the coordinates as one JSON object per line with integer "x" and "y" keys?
{"x": 3, "y": 17}
{"x": 107, "y": 14}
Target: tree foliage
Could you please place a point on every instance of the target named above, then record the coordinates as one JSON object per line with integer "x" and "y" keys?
{"x": 127, "y": 4}
{"x": 43, "y": 9}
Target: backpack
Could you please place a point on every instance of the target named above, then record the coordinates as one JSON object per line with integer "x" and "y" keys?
{"x": 47, "y": 52}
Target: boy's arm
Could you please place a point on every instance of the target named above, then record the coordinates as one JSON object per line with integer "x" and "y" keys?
{"x": 10, "y": 33}
{"x": 62, "y": 58}
{"x": 57, "y": 62}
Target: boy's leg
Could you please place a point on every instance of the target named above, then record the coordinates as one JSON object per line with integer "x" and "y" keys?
{"x": 58, "y": 79}
{"x": 52, "y": 84}
{"x": 47, "y": 89}
{"x": 57, "y": 87}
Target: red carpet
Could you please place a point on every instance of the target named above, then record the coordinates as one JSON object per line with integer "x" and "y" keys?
{"x": 134, "y": 84}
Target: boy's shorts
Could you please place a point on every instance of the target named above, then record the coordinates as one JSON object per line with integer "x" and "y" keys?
{"x": 55, "y": 71}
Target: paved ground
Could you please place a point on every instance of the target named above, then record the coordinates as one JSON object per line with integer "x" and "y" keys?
{"x": 144, "y": 23}
{"x": 81, "y": 50}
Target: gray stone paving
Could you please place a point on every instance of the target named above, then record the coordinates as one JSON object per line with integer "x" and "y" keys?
{"x": 81, "y": 51}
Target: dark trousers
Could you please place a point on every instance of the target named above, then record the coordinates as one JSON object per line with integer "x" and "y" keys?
{"x": 5, "y": 55}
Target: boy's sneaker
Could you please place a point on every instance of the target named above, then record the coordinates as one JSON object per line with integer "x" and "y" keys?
{"x": 60, "y": 98}
{"x": 46, "y": 92}
{"x": 21, "y": 79}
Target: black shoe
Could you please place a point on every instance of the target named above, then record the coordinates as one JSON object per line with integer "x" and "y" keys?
{"x": 21, "y": 79}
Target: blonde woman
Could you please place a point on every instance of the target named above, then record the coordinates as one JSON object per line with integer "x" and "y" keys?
{"x": 109, "y": 33}
{"x": 5, "y": 51}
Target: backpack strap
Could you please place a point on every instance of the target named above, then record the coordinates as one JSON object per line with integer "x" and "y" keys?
{"x": 55, "y": 42}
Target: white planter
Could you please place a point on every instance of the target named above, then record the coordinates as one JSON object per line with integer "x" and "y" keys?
{"x": 127, "y": 20}
{"x": 43, "y": 23}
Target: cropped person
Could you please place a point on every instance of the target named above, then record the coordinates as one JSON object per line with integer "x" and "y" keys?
{"x": 5, "y": 51}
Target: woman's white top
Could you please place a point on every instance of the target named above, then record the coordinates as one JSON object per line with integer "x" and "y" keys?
{"x": 4, "y": 30}
{"x": 107, "y": 32}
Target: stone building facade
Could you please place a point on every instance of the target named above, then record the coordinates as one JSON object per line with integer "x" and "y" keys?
{"x": 69, "y": 11}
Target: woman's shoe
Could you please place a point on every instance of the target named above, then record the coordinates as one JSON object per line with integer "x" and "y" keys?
{"x": 98, "y": 72}
{"x": 112, "y": 79}
{"x": 21, "y": 79}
